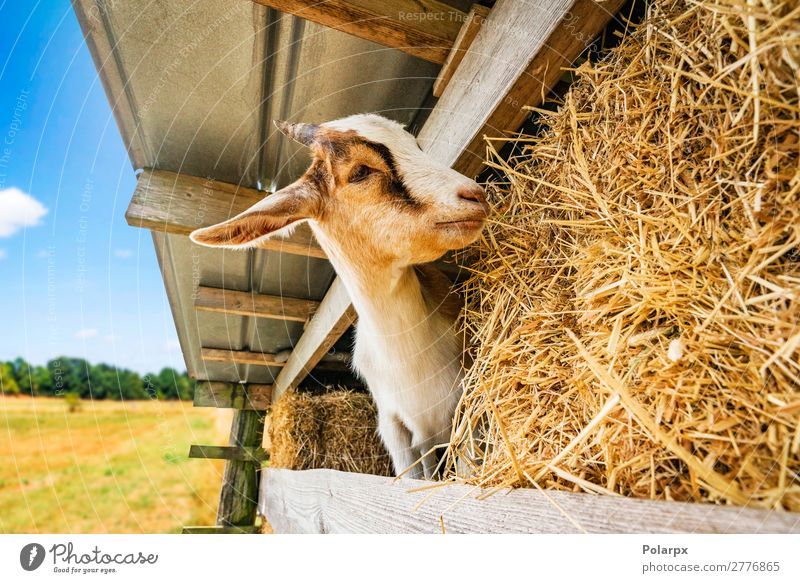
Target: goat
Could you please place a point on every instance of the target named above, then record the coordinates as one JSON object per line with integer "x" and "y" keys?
{"x": 381, "y": 209}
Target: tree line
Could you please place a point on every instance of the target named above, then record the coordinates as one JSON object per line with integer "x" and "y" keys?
{"x": 75, "y": 376}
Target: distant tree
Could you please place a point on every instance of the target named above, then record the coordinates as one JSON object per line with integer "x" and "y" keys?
{"x": 171, "y": 384}
{"x": 8, "y": 384}
{"x": 23, "y": 373}
{"x": 73, "y": 402}
{"x": 65, "y": 375}
{"x": 103, "y": 381}
{"x": 70, "y": 375}
{"x": 42, "y": 380}
{"x": 130, "y": 385}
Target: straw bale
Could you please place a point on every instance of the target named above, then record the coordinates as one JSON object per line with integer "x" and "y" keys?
{"x": 635, "y": 304}
{"x": 335, "y": 430}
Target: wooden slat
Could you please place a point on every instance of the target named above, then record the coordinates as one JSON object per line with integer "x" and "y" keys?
{"x": 226, "y": 301}
{"x": 180, "y": 203}
{"x": 333, "y": 317}
{"x": 469, "y": 30}
{"x": 239, "y": 357}
{"x": 254, "y": 454}
{"x": 317, "y": 501}
{"x": 423, "y": 28}
{"x": 515, "y": 59}
{"x": 220, "y": 530}
{"x": 233, "y": 395}
{"x": 238, "y": 496}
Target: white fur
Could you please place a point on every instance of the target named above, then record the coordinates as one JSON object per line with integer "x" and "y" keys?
{"x": 409, "y": 356}
{"x": 425, "y": 177}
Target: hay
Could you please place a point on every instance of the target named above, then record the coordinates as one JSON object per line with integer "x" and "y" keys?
{"x": 635, "y": 306}
{"x": 336, "y": 430}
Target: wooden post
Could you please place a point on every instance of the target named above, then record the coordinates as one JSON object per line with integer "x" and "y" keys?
{"x": 238, "y": 498}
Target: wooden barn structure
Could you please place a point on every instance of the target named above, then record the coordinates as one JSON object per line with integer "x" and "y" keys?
{"x": 195, "y": 86}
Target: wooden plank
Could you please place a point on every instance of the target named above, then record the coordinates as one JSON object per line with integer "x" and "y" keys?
{"x": 469, "y": 30}
{"x": 323, "y": 501}
{"x": 180, "y": 203}
{"x": 239, "y": 493}
{"x": 422, "y": 28}
{"x": 266, "y": 359}
{"x": 514, "y": 60}
{"x": 227, "y": 452}
{"x": 221, "y": 530}
{"x": 239, "y": 357}
{"x": 226, "y": 301}
{"x": 233, "y": 395}
{"x": 333, "y": 317}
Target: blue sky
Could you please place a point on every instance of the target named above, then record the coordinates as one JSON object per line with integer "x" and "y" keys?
{"x": 75, "y": 279}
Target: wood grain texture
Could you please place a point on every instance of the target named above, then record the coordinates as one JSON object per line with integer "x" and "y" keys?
{"x": 422, "y": 28}
{"x": 226, "y": 301}
{"x": 239, "y": 357}
{"x": 238, "y": 496}
{"x": 220, "y": 530}
{"x": 333, "y": 317}
{"x": 225, "y": 395}
{"x": 469, "y": 30}
{"x": 226, "y": 452}
{"x": 327, "y": 501}
{"x": 516, "y": 57}
{"x": 180, "y": 203}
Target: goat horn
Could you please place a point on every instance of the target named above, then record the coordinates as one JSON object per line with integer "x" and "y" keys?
{"x": 305, "y": 133}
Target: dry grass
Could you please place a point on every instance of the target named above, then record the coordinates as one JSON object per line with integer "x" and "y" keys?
{"x": 336, "y": 430}
{"x": 112, "y": 467}
{"x": 635, "y": 306}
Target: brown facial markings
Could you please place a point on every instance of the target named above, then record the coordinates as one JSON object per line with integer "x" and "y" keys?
{"x": 318, "y": 176}
{"x": 342, "y": 147}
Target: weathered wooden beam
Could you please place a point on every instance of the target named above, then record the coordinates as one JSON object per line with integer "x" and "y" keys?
{"x": 254, "y": 454}
{"x": 220, "y": 530}
{"x": 514, "y": 60}
{"x": 423, "y": 28}
{"x": 239, "y": 494}
{"x": 333, "y": 317}
{"x": 239, "y": 357}
{"x": 225, "y": 395}
{"x": 226, "y": 301}
{"x": 469, "y": 30}
{"x": 323, "y": 501}
{"x": 180, "y": 203}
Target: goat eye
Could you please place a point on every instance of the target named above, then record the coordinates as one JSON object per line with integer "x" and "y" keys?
{"x": 360, "y": 172}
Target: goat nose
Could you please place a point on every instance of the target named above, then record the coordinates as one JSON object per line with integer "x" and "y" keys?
{"x": 473, "y": 193}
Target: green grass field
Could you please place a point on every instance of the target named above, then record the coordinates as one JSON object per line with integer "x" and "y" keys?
{"x": 109, "y": 468}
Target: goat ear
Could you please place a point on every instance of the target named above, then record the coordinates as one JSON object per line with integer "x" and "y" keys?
{"x": 296, "y": 202}
{"x": 305, "y": 133}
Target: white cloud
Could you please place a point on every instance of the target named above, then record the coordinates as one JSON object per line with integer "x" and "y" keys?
{"x": 3, "y": 254}
{"x": 111, "y": 338}
{"x": 123, "y": 253}
{"x": 18, "y": 210}
{"x": 86, "y": 333}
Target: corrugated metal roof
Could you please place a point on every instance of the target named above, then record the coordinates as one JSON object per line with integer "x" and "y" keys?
{"x": 195, "y": 86}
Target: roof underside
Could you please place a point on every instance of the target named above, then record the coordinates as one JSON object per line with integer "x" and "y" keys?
{"x": 195, "y": 87}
